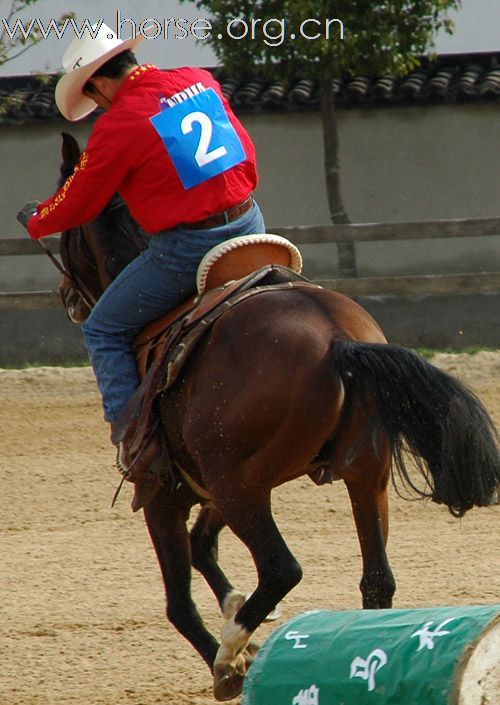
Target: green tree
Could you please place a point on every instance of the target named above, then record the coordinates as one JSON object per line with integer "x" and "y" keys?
{"x": 11, "y": 47}
{"x": 13, "y": 42}
{"x": 331, "y": 39}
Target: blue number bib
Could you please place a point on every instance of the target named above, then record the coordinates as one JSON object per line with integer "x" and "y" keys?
{"x": 199, "y": 138}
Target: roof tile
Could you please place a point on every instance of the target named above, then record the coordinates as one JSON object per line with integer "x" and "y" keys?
{"x": 452, "y": 78}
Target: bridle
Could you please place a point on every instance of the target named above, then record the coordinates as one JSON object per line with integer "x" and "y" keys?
{"x": 80, "y": 287}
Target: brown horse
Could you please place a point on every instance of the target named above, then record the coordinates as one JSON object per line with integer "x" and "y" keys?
{"x": 285, "y": 384}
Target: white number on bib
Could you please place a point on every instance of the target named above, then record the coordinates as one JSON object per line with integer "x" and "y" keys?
{"x": 199, "y": 138}
{"x": 203, "y": 155}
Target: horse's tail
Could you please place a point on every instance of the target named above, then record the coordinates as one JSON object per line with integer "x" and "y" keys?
{"x": 429, "y": 414}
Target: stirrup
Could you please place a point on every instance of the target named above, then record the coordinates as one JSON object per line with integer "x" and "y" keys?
{"x": 146, "y": 482}
{"x": 119, "y": 464}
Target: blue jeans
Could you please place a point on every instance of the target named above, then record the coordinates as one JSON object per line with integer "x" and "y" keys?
{"x": 156, "y": 281}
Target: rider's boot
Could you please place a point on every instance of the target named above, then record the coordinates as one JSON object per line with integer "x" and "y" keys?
{"x": 141, "y": 466}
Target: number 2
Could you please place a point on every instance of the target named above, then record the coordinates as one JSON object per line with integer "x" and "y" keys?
{"x": 203, "y": 155}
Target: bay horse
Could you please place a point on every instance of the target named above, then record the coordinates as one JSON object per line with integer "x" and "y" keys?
{"x": 283, "y": 385}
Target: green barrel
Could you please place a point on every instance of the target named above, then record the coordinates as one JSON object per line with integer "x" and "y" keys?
{"x": 430, "y": 656}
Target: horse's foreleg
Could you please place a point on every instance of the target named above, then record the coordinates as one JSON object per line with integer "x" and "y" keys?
{"x": 278, "y": 572}
{"x": 204, "y": 556}
{"x": 368, "y": 495}
{"x": 166, "y": 517}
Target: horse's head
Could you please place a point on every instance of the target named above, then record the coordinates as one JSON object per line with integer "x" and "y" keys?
{"x": 94, "y": 253}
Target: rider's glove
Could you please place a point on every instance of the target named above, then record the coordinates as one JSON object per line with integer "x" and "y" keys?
{"x": 27, "y": 211}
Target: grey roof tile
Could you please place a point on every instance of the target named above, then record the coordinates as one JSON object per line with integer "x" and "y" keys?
{"x": 453, "y": 78}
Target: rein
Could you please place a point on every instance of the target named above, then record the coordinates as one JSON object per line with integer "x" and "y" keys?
{"x": 87, "y": 297}
{"x": 54, "y": 260}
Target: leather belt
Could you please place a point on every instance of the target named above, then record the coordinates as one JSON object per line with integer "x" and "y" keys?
{"x": 221, "y": 218}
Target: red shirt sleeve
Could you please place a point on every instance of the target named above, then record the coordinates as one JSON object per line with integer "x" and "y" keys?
{"x": 97, "y": 176}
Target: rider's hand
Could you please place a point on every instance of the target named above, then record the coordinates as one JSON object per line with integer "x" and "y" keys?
{"x": 27, "y": 211}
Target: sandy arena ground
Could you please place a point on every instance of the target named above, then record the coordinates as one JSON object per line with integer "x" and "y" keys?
{"x": 82, "y": 607}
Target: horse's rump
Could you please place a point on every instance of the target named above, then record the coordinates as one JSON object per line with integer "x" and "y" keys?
{"x": 264, "y": 372}
{"x": 163, "y": 348}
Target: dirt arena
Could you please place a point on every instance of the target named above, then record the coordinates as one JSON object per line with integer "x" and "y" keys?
{"x": 82, "y": 606}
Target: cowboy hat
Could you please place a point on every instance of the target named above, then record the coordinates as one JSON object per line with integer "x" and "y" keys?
{"x": 81, "y": 59}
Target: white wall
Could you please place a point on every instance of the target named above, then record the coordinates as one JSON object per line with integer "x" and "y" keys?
{"x": 477, "y": 28}
{"x": 397, "y": 164}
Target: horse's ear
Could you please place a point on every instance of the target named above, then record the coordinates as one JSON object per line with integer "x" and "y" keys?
{"x": 70, "y": 151}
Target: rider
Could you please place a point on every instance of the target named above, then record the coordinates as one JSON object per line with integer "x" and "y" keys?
{"x": 170, "y": 144}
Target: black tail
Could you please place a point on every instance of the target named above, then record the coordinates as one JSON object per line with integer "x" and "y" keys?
{"x": 427, "y": 412}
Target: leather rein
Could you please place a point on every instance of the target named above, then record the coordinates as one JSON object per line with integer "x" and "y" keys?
{"x": 87, "y": 297}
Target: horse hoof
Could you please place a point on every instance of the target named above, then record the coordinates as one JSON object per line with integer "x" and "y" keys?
{"x": 228, "y": 683}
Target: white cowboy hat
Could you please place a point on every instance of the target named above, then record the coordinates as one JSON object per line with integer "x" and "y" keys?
{"x": 81, "y": 59}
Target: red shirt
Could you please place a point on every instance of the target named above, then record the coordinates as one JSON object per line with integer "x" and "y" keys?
{"x": 125, "y": 154}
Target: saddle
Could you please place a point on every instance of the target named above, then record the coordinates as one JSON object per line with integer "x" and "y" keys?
{"x": 234, "y": 266}
{"x": 230, "y": 273}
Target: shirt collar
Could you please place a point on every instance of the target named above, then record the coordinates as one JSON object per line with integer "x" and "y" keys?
{"x": 133, "y": 78}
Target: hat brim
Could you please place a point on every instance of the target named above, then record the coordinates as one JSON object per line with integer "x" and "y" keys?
{"x": 70, "y": 100}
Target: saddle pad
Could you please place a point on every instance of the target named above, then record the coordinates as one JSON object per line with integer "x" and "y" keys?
{"x": 239, "y": 256}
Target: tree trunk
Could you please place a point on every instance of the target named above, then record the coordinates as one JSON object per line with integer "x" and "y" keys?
{"x": 346, "y": 250}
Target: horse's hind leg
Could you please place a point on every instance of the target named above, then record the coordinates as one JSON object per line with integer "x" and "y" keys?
{"x": 367, "y": 489}
{"x": 204, "y": 556}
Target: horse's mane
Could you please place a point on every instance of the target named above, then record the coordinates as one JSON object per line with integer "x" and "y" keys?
{"x": 115, "y": 223}
{"x": 118, "y": 233}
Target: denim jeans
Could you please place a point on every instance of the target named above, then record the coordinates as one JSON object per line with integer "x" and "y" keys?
{"x": 156, "y": 281}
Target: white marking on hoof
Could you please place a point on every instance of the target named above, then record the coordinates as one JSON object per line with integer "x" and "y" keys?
{"x": 233, "y": 639}
{"x": 234, "y": 636}
{"x": 232, "y": 603}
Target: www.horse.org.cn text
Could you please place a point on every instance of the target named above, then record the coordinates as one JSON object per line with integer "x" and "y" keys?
{"x": 272, "y": 31}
